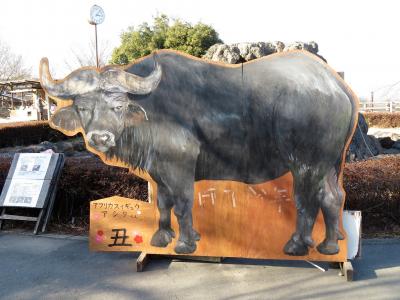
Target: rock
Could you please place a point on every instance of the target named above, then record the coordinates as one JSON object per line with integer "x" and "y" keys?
{"x": 64, "y": 147}
{"x": 279, "y": 46}
{"x": 311, "y": 46}
{"x": 71, "y": 147}
{"x": 391, "y": 151}
{"x": 48, "y": 145}
{"x": 223, "y": 53}
{"x": 250, "y": 51}
{"x": 242, "y": 52}
{"x": 393, "y": 133}
{"x": 362, "y": 145}
{"x": 386, "y": 142}
{"x": 78, "y": 144}
{"x": 396, "y": 145}
{"x": 31, "y": 149}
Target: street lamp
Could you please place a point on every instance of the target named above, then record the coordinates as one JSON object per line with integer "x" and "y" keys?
{"x": 96, "y": 17}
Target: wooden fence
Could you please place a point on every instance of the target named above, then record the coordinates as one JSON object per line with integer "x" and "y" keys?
{"x": 380, "y": 106}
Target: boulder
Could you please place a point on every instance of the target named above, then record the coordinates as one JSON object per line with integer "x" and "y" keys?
{"x": 48, "y": 145}
{"x": 391, "y": 151}
{"x": 250, "y": 51}
{"x": 393, "y": 133}
{"x": 396, "y": 145}
{"x": 363, "y": 145}
{"x": 223, "y": 53}
{"x": 386, "y": 142}
{"x": 311, "y": 46}
{"x": 242, "y": 52}
{"x": 64, "y": 147}
{"x": 70, "y": 147}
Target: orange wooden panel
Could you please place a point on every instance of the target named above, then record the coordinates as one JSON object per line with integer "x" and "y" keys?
{"x": 233, "y": 218}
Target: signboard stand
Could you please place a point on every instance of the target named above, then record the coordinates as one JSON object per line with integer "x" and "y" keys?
{"x": 31, "y": 184}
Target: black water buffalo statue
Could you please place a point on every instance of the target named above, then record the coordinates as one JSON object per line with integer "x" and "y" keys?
{"x": 183, "y": 119}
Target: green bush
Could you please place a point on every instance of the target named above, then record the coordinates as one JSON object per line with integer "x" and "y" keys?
{"x": 164, "y": 34}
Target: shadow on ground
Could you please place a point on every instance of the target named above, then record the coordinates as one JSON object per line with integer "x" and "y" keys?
{"x": 43, "y": 267}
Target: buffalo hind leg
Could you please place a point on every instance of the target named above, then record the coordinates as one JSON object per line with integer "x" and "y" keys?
{"x": 301, "y": 239}
{"x": 306, "y": 197}
{"x": 164, "y": 235}
{"x": 331, "y": 204}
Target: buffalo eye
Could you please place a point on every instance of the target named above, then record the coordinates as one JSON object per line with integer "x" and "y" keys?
{"x": 82, "y": 109}
{"x": 118, "y": 108}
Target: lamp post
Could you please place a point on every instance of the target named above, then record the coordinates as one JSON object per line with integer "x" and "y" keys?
{"x": 96, "y": 17}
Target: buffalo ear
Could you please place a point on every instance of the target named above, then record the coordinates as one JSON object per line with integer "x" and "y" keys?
{"x": 135, "y": 115}
{"x": 67, "y": 119}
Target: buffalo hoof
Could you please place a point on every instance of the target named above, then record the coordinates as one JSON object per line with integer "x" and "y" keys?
{"x": 195, "y": 235}
{"x": 295, "y": 248}
{"x": 328, "y": 248}
{"x": 171, "y": 232}
{"x": 184, "y": 248}
{"x": 162, "y": 238}
{"x": 308, "y": 240}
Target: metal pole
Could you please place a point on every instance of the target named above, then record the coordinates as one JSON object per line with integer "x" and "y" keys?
{"x": 97, "y": 53}
{"x": 372, "y": 100}
{"x": 48, "y": 106}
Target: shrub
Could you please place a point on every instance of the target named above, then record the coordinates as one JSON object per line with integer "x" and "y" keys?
{"x": 85, "y": 179}
{"x": 372, "y": 186}
{"x": 382, "y": 119}
{"x": 28, "y": 133}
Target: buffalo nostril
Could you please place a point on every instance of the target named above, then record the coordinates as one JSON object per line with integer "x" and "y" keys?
{"x": 100, "y": 139}
{"x": 104, "y": 138}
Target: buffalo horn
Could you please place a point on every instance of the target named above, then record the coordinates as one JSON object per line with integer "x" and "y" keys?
{"x": 78, "y": 82}
{"x": 116, "y": 79}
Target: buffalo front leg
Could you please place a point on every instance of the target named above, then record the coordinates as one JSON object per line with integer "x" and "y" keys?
{"x": 183, "y": 211}
{"x": 164, "y": 235}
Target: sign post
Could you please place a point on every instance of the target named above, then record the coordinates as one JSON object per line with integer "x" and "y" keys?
{"x": 96, "y": 17}
{"x": 31, "y": 184}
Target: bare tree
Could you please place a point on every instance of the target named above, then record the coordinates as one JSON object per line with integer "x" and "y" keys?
{"x": 11, "y": 65}
{"x": 87, "y": 57}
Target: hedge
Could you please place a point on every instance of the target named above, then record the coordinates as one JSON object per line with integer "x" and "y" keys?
{"x": 28, "y": 133}
{"x": 372, "y": 186}
{"x": 84, "y": 179}
{"x": 382, "y": 119}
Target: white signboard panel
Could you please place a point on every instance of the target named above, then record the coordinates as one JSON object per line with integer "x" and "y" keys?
{"x": 32, "y": 166}
{"x": 23, "y": 192}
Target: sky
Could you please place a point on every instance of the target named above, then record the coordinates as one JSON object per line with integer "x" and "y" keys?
{"x": 361, "y": 38}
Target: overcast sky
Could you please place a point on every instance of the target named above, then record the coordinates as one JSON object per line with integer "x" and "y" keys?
{"x": 360, "y": 38}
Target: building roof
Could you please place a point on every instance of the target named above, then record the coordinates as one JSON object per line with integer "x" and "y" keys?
{"x": 35, "y": 83}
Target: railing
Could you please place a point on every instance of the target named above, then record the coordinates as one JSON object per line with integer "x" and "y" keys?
{"x": 380, "y": 106}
